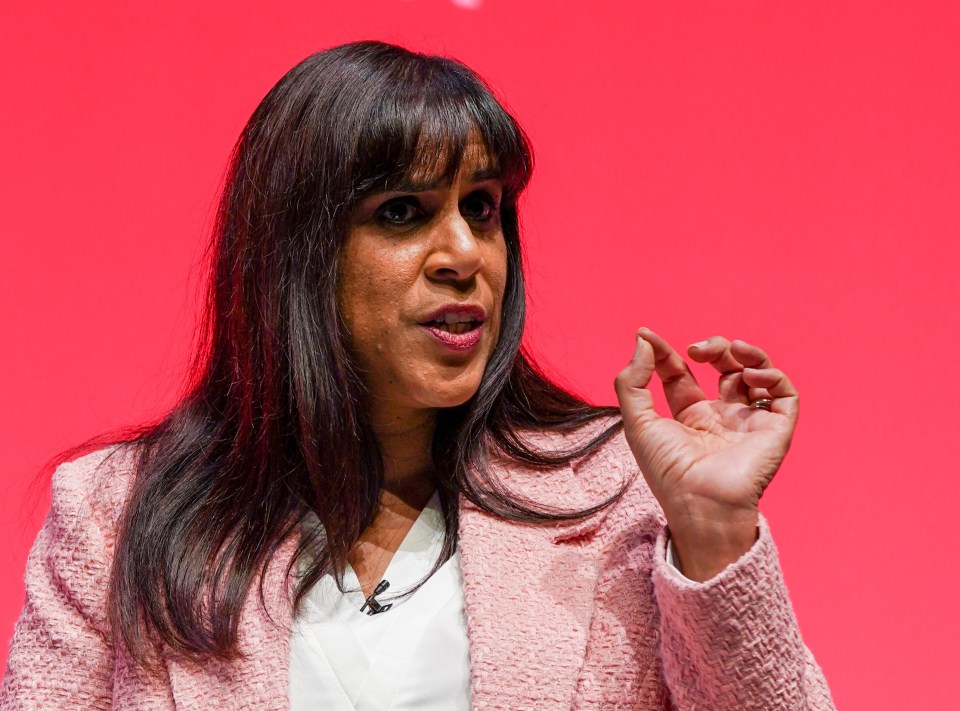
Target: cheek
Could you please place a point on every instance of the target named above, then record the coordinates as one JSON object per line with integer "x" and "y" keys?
{"x": 366, "y": 307}
{"x": 498, "y": 276}
{"x": 370, "y": 297}
{"x": 358, "y": 300}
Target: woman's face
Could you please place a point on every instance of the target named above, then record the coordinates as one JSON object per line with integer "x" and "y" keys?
{"x": 415, "y": 261}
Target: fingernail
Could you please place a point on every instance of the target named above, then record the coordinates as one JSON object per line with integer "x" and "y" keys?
{"x": 640, "y": 342}
{"x": 700, "y": 344}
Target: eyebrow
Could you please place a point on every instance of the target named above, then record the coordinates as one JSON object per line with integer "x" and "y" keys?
{"x": 419, "y": 186}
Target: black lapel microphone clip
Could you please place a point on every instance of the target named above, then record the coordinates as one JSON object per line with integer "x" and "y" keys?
{"x": 371, "y": 601}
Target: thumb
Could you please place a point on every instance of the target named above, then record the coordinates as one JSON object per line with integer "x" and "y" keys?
{"x": 636, "y": 401}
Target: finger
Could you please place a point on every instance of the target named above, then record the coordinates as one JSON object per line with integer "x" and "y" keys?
{"x": 786, "y": 399}
{"x": 754, "y": 394}
{"x": 751, "y": 356}
{"x": 679, "y": 385}
{"x": 636, "y": 401}
{"x": 748, "y": 355}
{"x": 716, "y": 352}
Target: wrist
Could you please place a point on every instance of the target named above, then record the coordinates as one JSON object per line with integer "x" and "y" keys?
{"x": 706, "y": 544}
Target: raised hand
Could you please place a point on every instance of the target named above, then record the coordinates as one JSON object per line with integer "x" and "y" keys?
{"x": 709, "y": 465}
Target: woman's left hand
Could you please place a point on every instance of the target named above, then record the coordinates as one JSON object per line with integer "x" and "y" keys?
{"x": 710, "y": 464}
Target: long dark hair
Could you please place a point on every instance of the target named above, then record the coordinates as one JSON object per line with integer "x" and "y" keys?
{"x": 273, "y": 424}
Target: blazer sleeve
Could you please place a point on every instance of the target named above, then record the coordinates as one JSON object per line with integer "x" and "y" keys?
{"x": 61, "y": 656}
{"x": 733, "y": 642}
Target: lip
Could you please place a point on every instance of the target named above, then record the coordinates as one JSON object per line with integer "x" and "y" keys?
{"x": 460, "y": 309}
{"x": 458, "y": 342}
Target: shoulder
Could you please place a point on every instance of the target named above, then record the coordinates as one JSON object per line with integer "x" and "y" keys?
{"x": 95, "y": 485}
{"x": 68, "y": 569}
{"x": 612, "y": 470}
{"x": 608, "y": 469}
{"x": 611, "y": 458}
{"x": 548, "y": 441}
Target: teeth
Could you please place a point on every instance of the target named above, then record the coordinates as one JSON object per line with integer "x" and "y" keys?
{"x": 451, "y": 317}
{"x": 455, "y": 323}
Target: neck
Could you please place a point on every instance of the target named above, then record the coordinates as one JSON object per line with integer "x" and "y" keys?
{"x": 404, "y": 439}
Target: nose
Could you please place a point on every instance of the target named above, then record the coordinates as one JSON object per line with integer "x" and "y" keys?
{"x": 457, "y": 255}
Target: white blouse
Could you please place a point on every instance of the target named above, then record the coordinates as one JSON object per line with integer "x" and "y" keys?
{"x": 412, "y": 656}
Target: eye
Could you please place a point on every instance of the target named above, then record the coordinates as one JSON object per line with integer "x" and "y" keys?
{"x": 480, "y": 207}
{"x": 399, "y": 212}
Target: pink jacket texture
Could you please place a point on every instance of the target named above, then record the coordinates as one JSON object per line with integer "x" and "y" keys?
{"x": 584, "y": 615}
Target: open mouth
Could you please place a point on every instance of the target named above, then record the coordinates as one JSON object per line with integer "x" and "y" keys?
{"x": 452, "y": 323}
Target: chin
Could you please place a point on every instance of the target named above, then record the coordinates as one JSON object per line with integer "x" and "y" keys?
{"x": 453, "y": 396}
{"x": 455, "y": 401}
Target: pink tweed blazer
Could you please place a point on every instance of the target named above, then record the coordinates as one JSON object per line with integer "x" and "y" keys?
{"x": 584, "y": 615}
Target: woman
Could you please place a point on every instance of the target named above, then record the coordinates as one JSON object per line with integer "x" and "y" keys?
{"x": 361, "y": 388}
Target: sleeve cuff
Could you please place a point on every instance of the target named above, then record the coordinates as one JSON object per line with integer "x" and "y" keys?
{"x": 732, "y": 637}
{"x": 673, "y": 560}
{"x": 667, "y": 562}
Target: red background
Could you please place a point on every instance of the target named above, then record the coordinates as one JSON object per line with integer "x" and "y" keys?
{"x": 785, "y": 173}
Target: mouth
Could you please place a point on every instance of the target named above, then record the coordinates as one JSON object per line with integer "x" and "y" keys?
{"x": 457, "y": 327}
{"x": 454, "y": 323}
{"x": 455, "y": 317}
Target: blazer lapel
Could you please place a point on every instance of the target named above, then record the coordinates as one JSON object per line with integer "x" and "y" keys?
{"x": 529, "y": 598}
